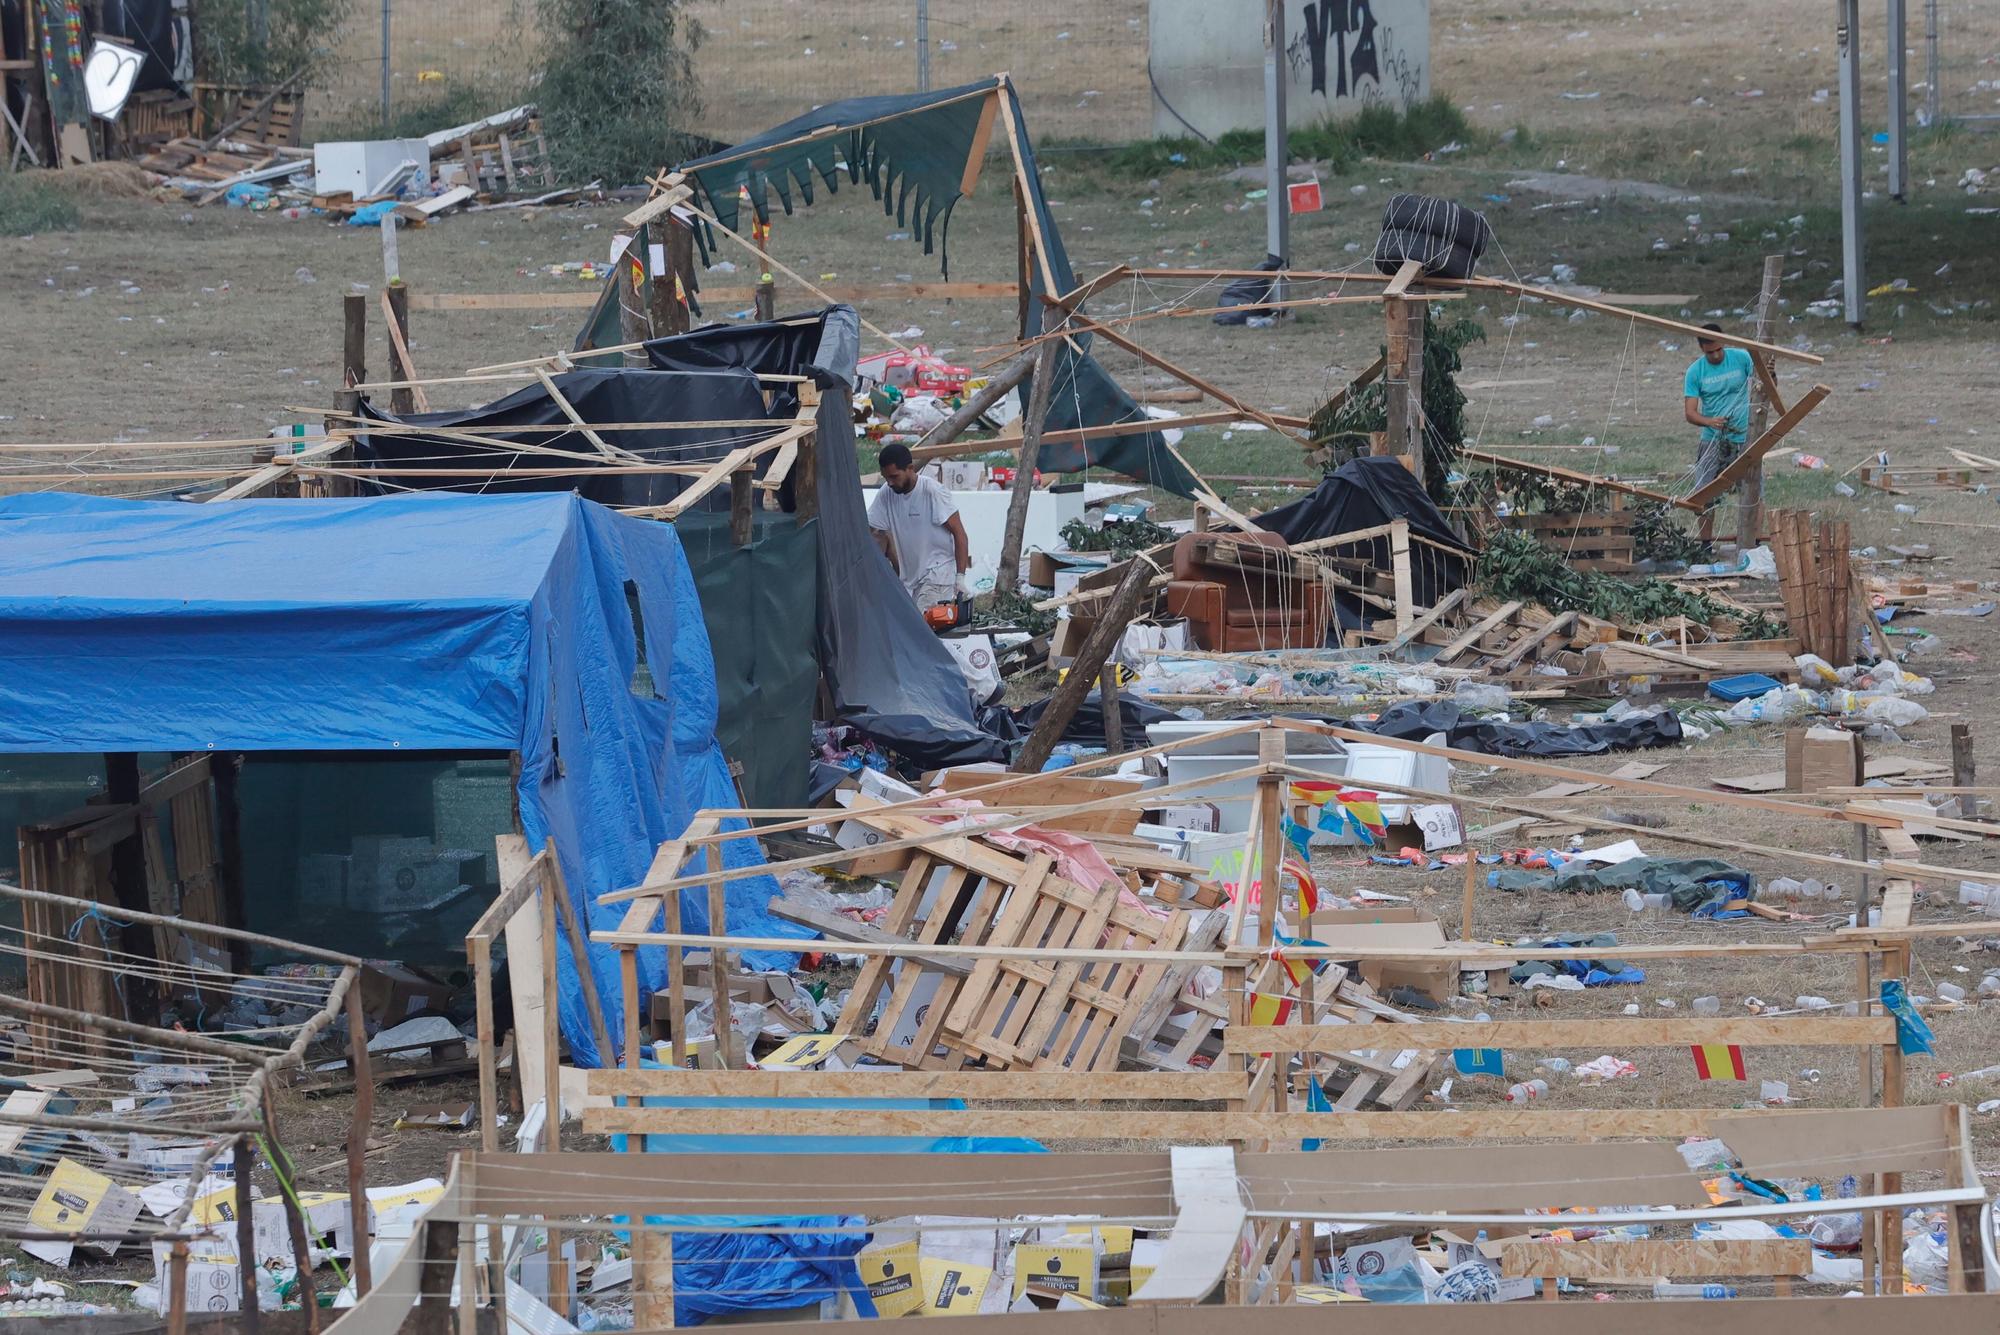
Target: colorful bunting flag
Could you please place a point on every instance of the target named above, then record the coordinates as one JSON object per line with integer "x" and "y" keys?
{"x": 1266, "y": 1008}
{"x": 1344, "y": 810}
{"x": 1316, "y": 1101}
{"x": 1718, "y": 1061}
{"x": 1479, "y": 1061}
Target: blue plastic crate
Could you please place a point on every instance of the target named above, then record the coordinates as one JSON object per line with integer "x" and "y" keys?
{"x": 1745, "y": 687}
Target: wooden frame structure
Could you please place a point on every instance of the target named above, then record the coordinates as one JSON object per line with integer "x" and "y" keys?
{"x": 1263, "y": 1070}
{"x": 1205, "y": 1200}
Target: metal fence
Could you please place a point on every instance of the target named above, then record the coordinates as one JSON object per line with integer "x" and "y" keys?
{"x": 1081, "y": 68}
{"x": 1961, "y": 62}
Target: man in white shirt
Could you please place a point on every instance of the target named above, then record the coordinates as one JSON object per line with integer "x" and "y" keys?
{"x": 916, "y": 525}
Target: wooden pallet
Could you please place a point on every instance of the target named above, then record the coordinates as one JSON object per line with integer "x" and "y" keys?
{"x": 1020, "y": 1015}
{"x": 1815, "y": 581}
{"x": 1914, "y": 479}
{"x": 1586, "y": 539}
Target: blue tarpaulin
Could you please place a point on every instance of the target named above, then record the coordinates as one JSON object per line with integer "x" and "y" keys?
{"x": 417, "y": 622}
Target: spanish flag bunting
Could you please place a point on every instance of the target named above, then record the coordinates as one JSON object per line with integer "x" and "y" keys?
{"x": 1718, "y": 1061}
{"x": 1268, "y": 1009}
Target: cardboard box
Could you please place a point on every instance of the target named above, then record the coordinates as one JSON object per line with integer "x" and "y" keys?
{"x": 953, "y": 1288}
{"x": 76, "y": 1200}
{"x": 832, "y": 1052}
{"x": 1055, "y": 1268}
{"x": 1820, "y": 758}
{"x": 214, "y": 1280}
{"x": 1393, "y": 928}
{"x": 391, "y": 993}
{"x": 1195, "y": 817}
{"x": 890, "y": 1276}
{"x": 1055, "y": 790}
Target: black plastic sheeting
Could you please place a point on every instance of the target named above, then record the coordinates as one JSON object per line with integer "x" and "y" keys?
{"x": 758, "y": 610}
{"x": 1086, "y": 726}
{"x": 888, "y": 674}
{"x": 1241, "y": 299}
{"x": 1413, "y": 721}
{"x": 1365, "y": 493}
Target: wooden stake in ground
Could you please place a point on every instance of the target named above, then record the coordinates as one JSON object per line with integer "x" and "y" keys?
{"x": 1008, "y": 577}
{"x": 669, "y": 261}
{"x": 1083, "y": 669}
{"x": 1962, "y": 770}
{"x": 1403, "y": 379}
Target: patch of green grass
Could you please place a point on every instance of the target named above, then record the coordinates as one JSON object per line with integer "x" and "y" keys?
{"x": 1339, "y": 145}
{"x": 27, "y": 206}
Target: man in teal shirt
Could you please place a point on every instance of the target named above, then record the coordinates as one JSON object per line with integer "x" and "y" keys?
{"x": 1717, "y": 399}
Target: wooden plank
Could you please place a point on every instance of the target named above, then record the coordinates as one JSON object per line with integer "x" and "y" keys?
{"x": 1658, "y": 322}
{"x": 850, "y": 293}
{"x": 982, "y": 137}
{"x": 1445, "y": 605}
{"x": 1153, "y": 359}
{"x": 1476, "y": 632}
{"x": 1154, "y": 1126}
{"x": 1647, "y": 1259}
{"x": 1559, "y": 627}
{"x": 272, "y": 472}
{"x": 1753, "y": 453}
{"x": 1067, "y": 1086}
{"x": 1828, "y": 1031}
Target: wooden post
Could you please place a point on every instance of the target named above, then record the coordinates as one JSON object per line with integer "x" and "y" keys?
{"x": 177, "y": 1288}
{"x": 766, "y": 298}
{"x": 1403, "y": 380}
{"x": 1471, "y": 877}
{"x": 392, "y": 264}
{"x": 635, "y": 325}
{"x": 742, "y": 515}
{"x": 670, "y": 915}
{"x": 432, "y": 1313}
{"x": 1024, "y": 259}
{"x": 1270, "y": 835}
{"x": 805, "y": 479}
{"x": 1896, "y": 960}
{"x": 1110, "y": 702}
{"x": 363, "y": 1118}
{"x": 1750, "y": 494}
{"x": 652, "y": 1278}
{"x": 728, "y": 1054}
{"x": 1083, "y": 669}
{"x": 1008, "y": 577}
{"x": 1399, "y": 564}
{"x": 402, "y": 401}
{"x": 246, "y": 1232}
{"x": 295, "y": 1221}
{"x": 1962, "y": 770}
{"x": 669, "y": 262}
{"x": 353, "y": 340}
{"x": 551, "y": 1084}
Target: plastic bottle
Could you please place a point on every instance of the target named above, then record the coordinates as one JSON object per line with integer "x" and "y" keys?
{"x": 1707, "y": 1006}
{"x": 1666, "y": 1289}
{"x": 1980, "y": 895}
{"x": 1784, "y": 887}
{"x": 1989, "y": 986}
{"x": 1553, "y": 1065}
{"x": 1812, "y": 1003}
{"x": 1950, "y": 992}
{"x": 1528, "y": 1092}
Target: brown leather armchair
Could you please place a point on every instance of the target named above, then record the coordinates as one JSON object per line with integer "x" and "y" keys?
{"x": 1245, "y": 591}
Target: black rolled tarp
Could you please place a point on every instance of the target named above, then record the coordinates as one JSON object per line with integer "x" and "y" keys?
{"x": 1413, "y": 721}
{"x": 888, "y": 674}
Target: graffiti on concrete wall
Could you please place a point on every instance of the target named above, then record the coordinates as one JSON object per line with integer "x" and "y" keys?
{"x": 1344, "y": 50}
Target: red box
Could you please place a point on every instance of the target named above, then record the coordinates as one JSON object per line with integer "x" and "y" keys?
{"x": 1304, "y": 196}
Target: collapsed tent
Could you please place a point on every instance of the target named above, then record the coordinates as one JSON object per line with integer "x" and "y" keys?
{"x": 1367, "y": 492}
{"x": 543, "y": 625}
{"x": 920, "y": 154}
{"x": 886, "y": 671}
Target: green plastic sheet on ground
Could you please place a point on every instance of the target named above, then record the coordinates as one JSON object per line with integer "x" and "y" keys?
{"x": 1688, "y": 883}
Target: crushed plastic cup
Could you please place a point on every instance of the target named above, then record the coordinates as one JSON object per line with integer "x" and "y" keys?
{"x": 1950, "y": 992}
{"x": 1707, "y": 1006}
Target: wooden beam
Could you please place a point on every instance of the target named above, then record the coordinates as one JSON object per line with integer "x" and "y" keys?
{"x": 1753, "y": 453}
{"x": 1753, "y": 1031}
{"x": 1477, "y": 631}
{"x": 1430, "y": 618}
{"x": 1153, "y": 359}
{"x": 270, "y": 473}
{"x": 1647, "y": 1259}
{"x": 568, "y": 410}
{"x": 843, "y": 292}
{"x": 982, "y": 137}
{"x": 1656, "y": 321}
{"x": 1156, "y": 1126}
{"x": 968, "y": 1084}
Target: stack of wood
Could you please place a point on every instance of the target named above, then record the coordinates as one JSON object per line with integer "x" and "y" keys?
{"x": 503, "y": 158}
{"x": 226, "y": 162}
{"x": 1817, "y": 582}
